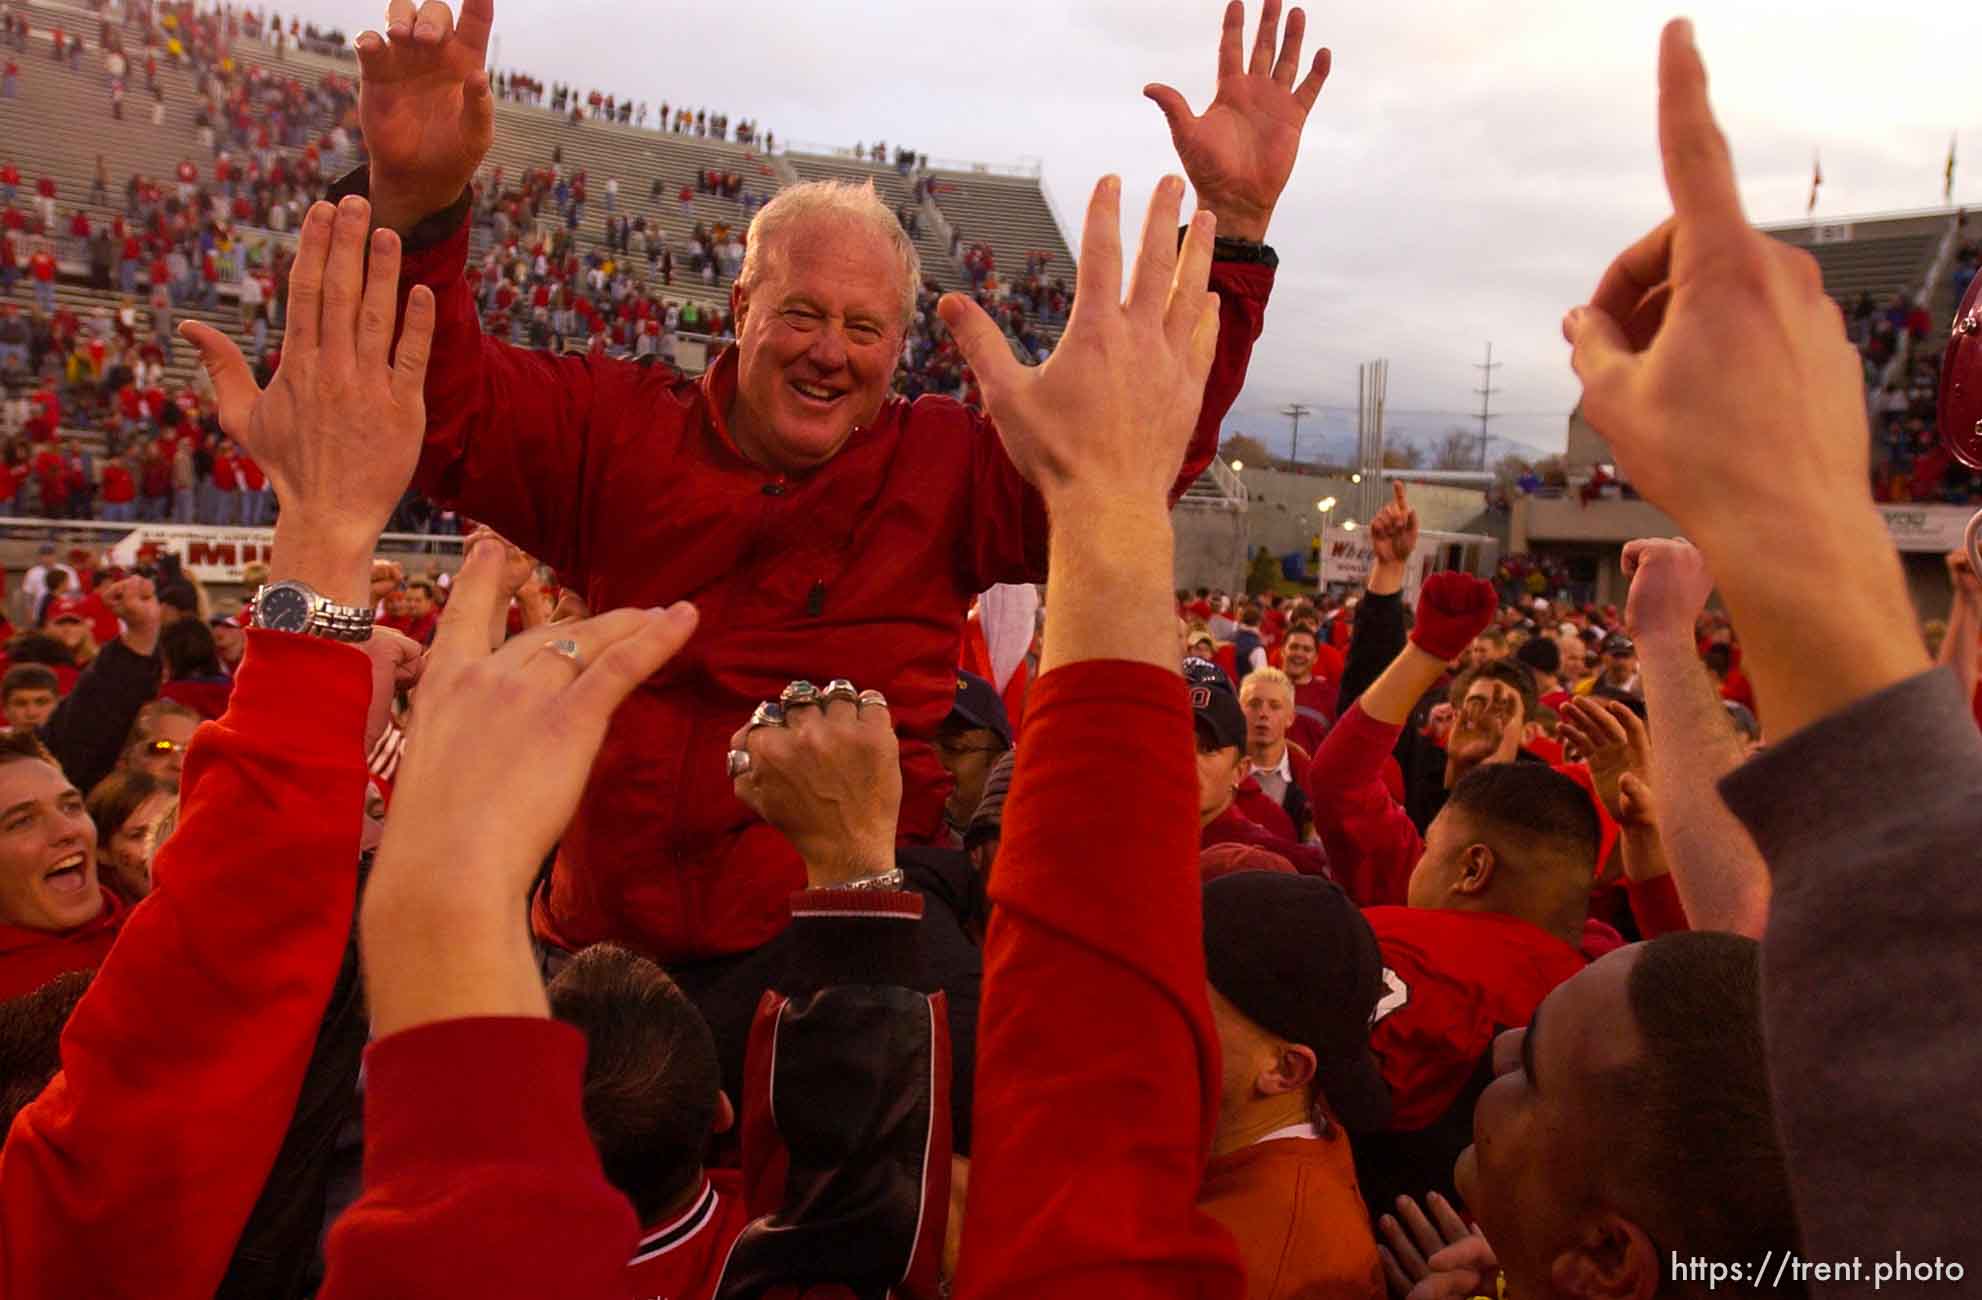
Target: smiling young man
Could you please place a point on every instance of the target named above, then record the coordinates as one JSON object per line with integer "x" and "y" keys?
{"x": 831, "y": 529}
{"x": 54, "y": 916}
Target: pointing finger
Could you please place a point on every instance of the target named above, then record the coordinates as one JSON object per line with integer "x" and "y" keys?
{"x": 1699, "y": 173}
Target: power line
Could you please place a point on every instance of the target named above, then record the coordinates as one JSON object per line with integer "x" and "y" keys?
{"x": 1294, "y": 411}
{"x": 1486, "y": 391}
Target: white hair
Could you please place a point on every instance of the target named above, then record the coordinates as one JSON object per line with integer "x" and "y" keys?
{"x": 846, "y": 201}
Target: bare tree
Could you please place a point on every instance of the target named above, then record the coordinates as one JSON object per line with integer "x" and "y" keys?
{"x": 1244, "y": 447}
{"x": 1403, "y": 455}
{"x": 1457, "y": 450}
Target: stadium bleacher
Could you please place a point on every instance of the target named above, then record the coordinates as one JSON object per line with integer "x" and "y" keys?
{"x": 59, "y": 123}
{"x": 1892, "y": 277}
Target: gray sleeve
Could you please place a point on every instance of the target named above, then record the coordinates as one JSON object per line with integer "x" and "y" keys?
{"x": 1871, "y": 822}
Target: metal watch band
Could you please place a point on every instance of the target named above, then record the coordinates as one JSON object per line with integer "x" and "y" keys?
{"x": 889, "y": 879}
{"x": 339, "y": 622}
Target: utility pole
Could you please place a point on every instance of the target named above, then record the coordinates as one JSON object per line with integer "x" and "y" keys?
{"x": 1486, "y": 392}
{"x": 1294, "y": 411}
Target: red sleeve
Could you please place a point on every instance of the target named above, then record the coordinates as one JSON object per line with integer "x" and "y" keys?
{"x": 1371, "y": 842}
{"x": 215, "y": 988}
{"x": 1009, "y": 539}
{"x": 511, "y": 432}
{"x": 489, "y": 1187}
{"x": 1656, "y": 904}
{"x": 1097, "y": 1067}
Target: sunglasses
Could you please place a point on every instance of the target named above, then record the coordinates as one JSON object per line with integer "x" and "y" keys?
{"x": 161, "y": 748}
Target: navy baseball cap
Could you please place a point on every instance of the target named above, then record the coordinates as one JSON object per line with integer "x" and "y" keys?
{"x": 1295, "y": 956}
{"x": 1619, "y": 644}
{"x": 1220, "y": 720}
{"x": 977, "y": 705}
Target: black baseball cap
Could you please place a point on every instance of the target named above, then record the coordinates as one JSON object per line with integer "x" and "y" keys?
{"x": 1220, "y": 720}
{"x": 1296, "y": 957}
{"x": 1619, "y": 644}
{"x": 977, "y": 705}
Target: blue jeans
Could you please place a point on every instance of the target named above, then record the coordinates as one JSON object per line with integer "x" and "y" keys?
{"x": 120, "y": 512}
{"x": 182, "y": 505}
{"x": 44, "y": 297}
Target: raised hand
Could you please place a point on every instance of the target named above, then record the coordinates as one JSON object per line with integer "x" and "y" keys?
{"x": 135, "y": 601}
{"x": 1612, "y": 741}
{"x": 338, "y": 429}
{"x": 517, "y": 728}
{"x": 1453, "y": 609}
{"x": 1113, "y": 407}
{"x": 1710, "y": 356}
{"x": 1669, "y": 587}
{"x": 425, "y": 106}
{"x": 1240, "y": 151}
{"x": 830, "y": 778}
{"x": 1394, "y": 531}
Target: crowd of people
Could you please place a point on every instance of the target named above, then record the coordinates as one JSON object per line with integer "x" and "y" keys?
{"x": 606, "y": 106}
{"x": 739, "y": 879}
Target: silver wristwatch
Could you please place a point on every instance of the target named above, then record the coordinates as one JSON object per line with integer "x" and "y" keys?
{"x": 297, "y": 607}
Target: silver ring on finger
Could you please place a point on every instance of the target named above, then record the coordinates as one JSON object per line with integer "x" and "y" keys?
{"x": 798, "y": 695}
{"x": 874, "y": 698}
{"x": 768, "y": 714}
{"x": 840, "y": 689}
{"x": 566, "y": 648}
{"x": 738, "y": 763}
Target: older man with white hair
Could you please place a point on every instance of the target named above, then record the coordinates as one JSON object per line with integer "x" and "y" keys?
{"x": 825, "y": 528}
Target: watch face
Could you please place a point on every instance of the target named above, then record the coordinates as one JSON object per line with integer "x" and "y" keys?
{"x": 284, "y": 609}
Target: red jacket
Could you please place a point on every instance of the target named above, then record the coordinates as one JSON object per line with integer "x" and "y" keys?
{"x": 117, "y": 485}
{"x": 217, "y": 984}
{"x": 31, "y": 958}
{"x": 1233, "y": 827}
{"x": 622, "y": 477}
{"x": 1452, "y": 981}
{"x": 1094, "y": 1114}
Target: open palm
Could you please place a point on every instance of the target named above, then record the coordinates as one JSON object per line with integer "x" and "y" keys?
{"x": 1240, "y": 151}
{"x": 425, "y": 107}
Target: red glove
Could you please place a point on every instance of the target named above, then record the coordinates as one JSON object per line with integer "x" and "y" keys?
{"x": 1453, "y": 608}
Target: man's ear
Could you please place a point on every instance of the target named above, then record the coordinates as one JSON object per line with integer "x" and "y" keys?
{"x": 725, "y": 1114}
{"x": 1291, "y": 1071}
{"x": 1477, "y": 867}
{"x": 1611, "y": 1259}
{"x": 739, "y": 303}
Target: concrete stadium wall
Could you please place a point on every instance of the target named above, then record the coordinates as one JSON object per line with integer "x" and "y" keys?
{"x": 1212, "y": 548}
{"x": 1282, "y": 516}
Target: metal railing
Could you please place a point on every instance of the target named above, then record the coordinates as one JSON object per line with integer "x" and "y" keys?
{"x": 99, "y": 533}
{"x": 1228, "y": 481}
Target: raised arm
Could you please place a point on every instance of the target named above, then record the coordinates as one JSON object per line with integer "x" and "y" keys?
{"x": 1371, "y": 841}
{"x": 1095, "y": 952}
{"x": 1716, "y": 867}
{"x": 452, "y": 978}
{"x": 508, "y": 429}
{"x": 1863, "y": 805}
{"x": 86, "y": 733}
{"x": 1238, "y": 154}
{"x": 1379, "y": 632}
{"x": 203, "y": 1019}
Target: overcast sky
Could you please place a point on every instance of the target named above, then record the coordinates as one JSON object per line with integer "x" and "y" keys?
{"x": 1465, "y": 177}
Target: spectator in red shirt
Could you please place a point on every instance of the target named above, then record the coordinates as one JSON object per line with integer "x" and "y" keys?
{"x": 226, "y": 482}
{"x": 119, "y": 492}
{"x": 41, "y": 269}
{"x": 1307, "y": 665}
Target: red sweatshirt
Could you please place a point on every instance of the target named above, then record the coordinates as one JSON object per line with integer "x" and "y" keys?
{"x": 625, "y": 479}
{"x": 183, "y": 1062}
{"x": 1097, "y": 1066}
{"x": 31, "y": 958}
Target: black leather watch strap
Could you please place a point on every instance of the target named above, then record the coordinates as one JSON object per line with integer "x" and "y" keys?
{"x": 1237, "y": 250}
{"x": 432, "y": 230}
